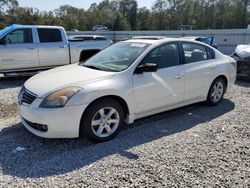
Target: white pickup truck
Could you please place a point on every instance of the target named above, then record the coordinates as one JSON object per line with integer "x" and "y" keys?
{"x": 29, "y": 48}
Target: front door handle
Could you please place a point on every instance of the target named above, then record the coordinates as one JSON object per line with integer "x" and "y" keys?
{"x": 179, "y": 76}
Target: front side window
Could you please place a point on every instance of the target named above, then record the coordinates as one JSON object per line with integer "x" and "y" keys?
{"x": 117, "y": 57}
{"x": 164, "y": 56}
{"x": 194, "y": 52}
{"x": 19, "y": 36}
{"x": 49, "y": 35}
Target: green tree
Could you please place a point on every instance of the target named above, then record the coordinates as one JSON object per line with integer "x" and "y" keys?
{"x": 6, "y": 7}
{"x": 125, "y": 15}
{"x": 144, "y": 21}
{"x": 129, "y": 10}
{"x": 159, "y": 10}
{"x": 71, "y": 18}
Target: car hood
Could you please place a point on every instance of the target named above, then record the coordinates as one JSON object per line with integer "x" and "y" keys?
{"x": 58, "y": 78}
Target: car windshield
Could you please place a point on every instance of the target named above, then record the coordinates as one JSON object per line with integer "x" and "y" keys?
{"x": 117, "y": 57}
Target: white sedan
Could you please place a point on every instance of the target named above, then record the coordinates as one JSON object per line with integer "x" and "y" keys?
{"x": 127, "y": 81}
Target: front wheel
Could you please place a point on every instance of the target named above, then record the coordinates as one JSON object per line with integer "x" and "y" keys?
{"x": 216, "y": 92}
{"x": 102, "y": 120}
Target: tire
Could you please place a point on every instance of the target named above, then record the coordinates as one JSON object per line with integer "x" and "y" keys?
{"x": 102, "y": 120}
{"x": 216, "y": 92}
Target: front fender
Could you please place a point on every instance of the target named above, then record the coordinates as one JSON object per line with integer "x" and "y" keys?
{"x": 87, "y": 99}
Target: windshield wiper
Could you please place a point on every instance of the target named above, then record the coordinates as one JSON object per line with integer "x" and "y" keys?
{"x": 91, "y": 67}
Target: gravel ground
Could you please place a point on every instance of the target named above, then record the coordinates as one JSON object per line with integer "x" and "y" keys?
{"x": 194, "y": 146}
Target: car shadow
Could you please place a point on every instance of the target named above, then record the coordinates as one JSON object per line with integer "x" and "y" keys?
{"x": 243, "y": 83}
{"x": 12, "y": 82}
{"x": 47, "y": 157}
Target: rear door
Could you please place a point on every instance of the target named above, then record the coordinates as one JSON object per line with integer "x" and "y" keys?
{"x": 199, "y": 70}
{"x": 156, "y": 90}
{"x": 52, "y": 48}
{"x": 19, "y": 50}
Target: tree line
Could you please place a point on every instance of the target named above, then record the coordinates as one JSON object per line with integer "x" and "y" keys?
{"x": 126, "y": 15}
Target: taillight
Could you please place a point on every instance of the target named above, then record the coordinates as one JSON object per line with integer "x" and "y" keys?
{"x": 233, "y": 62}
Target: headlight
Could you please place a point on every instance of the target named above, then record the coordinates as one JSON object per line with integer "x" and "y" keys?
{"x": 59, "y": 98}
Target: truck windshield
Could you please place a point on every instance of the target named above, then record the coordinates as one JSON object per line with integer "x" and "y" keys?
{"x": 6, "y": 29}
{"x": 117, "y": 57}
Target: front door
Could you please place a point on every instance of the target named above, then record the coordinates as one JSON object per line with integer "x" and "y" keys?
{"x": 163, "y": 88}
{"x": 19, "y": 51}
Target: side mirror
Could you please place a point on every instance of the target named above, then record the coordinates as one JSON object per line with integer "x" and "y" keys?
{"x": 148, "y": 67}
{"x": 2, "y": 41}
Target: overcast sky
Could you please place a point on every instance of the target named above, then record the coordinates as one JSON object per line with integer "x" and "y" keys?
{"x": 54, "y": 4}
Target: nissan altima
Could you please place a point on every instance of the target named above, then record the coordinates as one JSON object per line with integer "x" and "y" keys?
{"x": 126, "y": 81}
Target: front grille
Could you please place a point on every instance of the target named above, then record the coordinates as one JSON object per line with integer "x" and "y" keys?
{"x": 26, "y": 96}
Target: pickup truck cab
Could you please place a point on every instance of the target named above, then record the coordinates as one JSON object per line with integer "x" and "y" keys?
{"x": 32, "y": 48}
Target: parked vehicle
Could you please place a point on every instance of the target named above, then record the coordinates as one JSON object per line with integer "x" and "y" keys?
{"x": 31, "y": 48}
{"x": 243, "y": 68}
{"x": 99, "y": 28}
{"x": 242, "y": 57}
{"x": 75, "y": 30}
{"x": 73, "y": 38}
{"x": 124, "y": 82}
{"x": 207, "y": 40}
{"x": 185, "y": 27}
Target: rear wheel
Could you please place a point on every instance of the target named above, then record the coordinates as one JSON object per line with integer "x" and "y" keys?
{"x": 103, "y": 120}
{"x": 216, "y": 92}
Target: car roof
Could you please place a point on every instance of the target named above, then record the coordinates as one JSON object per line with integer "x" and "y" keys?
{"x": 149, "y": 39}
{"x": 160, "y": 40}
{"x": 164, "y": 40}
{"x": 16, "y": 26}
{"x": 195, "y": 37}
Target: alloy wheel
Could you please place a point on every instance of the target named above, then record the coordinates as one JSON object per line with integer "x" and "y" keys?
{"x": 105, "y": 122}
{"x": 217, "y": 92}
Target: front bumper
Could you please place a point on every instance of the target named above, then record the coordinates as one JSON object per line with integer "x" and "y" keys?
{"x": 60, "y": 122}
{"x": 243, "y": 69}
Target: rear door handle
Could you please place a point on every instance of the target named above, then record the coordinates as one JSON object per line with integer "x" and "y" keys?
{"x": 179, "y": 76}
{"x": 31, "y": 48}
{"x": 64, "y": 46}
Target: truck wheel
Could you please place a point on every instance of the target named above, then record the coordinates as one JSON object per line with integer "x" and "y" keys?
{"x": 216, "y": 92}
{"x": 102, "y": 120}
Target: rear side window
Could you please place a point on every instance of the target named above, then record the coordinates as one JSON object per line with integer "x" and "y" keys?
{"x": 195, "y": 52}
{"x": 164, "y": 56}
{"x": 49, "y": 35}
{"x": 19, "y": 36}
